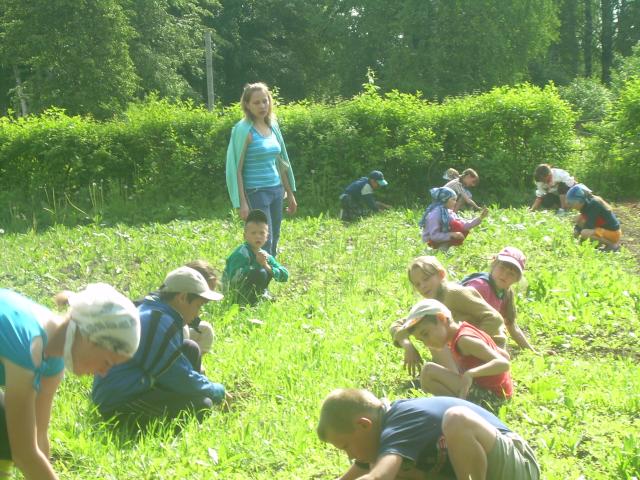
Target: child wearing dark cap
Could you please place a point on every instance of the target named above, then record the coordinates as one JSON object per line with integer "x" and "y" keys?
{"x": 250, "y": 269}
{"x": 358, "y": 198}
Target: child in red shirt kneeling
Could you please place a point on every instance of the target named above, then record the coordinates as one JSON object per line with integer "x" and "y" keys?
{"x": 478, "y": 359}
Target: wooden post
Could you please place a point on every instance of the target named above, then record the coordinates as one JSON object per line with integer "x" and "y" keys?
{"x": 23, "y": 102}
{"x": 209, "y": 59}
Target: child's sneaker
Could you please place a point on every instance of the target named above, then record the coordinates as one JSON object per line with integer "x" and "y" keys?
{"x": 268, "y": 296}
{"x": 562, "y": 211}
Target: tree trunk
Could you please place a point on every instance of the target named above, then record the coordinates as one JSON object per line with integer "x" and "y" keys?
{"x": 587, "y": 39}
{"x": 606, "y": 39}
{"x": 23, "y": 102}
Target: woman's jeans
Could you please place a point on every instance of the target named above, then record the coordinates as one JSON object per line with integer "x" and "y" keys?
{"x": 270, "y": 201}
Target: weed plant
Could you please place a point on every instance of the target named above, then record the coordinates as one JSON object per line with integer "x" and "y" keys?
{"x": 578, "y": 407}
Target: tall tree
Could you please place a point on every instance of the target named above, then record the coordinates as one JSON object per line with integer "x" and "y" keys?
{"x": 444, "y": 48}
{"x": 628, "y": 34}
{"x": 167, "y": 47}
{"x": 70, "y": 53}
{"x": 280, "y": 42}
{"x": 587, "y": 41}
{"x": 606, "y": 39}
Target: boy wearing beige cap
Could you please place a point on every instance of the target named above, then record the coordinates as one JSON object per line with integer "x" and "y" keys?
{"x": 160, "y": 381}
{"x": 429, "y": 278}
{"x": 477, "y": 358}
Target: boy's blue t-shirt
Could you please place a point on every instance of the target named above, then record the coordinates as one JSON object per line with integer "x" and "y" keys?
{"x": 361, "y": 192}
{"x": 19, "y": 327}
{"x": 412, "y": 429}
{"x": 593, "y": 211}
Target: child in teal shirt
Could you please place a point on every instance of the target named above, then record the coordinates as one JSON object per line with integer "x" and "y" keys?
{"x": 249, "y": 268}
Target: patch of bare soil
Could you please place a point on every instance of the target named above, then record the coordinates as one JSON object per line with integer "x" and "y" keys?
{"x": 629, "y": 215}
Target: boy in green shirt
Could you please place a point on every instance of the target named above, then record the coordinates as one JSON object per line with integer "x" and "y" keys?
{"x": 249, "y": 268}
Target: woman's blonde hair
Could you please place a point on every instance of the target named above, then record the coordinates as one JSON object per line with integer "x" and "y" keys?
{"x": 248, "y": 91}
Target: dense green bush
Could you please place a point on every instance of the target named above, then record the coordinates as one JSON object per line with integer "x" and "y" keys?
{"x": 162, "y": 160}
{"x": 612, "y": 166}
{"x": 590, "y": 99}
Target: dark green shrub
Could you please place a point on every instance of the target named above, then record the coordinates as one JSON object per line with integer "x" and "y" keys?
{"x": 163, "y": 160}
{"x": 613, "y": 166}
{"x": 589, "y": 98}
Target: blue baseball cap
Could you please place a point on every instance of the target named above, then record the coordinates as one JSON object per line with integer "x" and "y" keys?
{"x": 378, "y": 177}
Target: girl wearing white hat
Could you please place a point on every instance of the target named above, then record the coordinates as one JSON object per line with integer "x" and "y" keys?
{"x": 101, "y": 329}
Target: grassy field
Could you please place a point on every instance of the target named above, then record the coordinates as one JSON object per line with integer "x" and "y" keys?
{"x": 579, "y": 407}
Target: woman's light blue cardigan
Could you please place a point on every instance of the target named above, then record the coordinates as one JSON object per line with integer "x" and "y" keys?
{"x": 234, "y": 152}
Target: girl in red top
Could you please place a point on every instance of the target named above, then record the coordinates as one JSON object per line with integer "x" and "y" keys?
{"x": 479, "y": 361}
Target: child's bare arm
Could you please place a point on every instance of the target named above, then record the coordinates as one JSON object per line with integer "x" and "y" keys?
{"x": 469, "y": 201}
{"x": 518, "y": 336}
{"x": 386, "y": 468}
{"x": 412, "y": 359}
{"x": 536, "y": 203}
{"x": 495, "y": 363}
{"x": 353, "y": 473}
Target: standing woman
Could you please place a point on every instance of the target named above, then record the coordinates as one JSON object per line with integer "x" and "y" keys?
{"x": 101, "y": 329}
{"x": 258, "y": 168}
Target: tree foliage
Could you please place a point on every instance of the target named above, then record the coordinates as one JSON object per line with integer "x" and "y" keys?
{"x": 71, "y": 53}
{"x": 95, "y": 57}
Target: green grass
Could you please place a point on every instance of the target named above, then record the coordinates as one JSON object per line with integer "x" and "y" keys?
{"x": 578, "y": 408}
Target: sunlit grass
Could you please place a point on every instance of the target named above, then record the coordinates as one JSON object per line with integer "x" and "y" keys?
{"x": 328, "y": 328}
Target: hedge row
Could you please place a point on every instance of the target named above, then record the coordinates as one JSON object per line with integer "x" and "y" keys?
{"x": 161, "y": 157}
{"x": 611, "y": 165}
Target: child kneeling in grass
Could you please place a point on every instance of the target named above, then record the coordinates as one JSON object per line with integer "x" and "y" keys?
{"x": 552, "y": 185}
{"x": 461, "y": 184}
{"x": 478, "y": 360}
{"x": 429, "y": 278}
{"x": 495, "y": 288}
{"x": 596, "y": 220}
{"x": 441, "y": 226}
{"x": 249, "y": 268}
{"x": 358, "y": 199}
{"x": 419, "y": 438}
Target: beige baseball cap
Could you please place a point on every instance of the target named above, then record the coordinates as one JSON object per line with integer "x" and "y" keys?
{"x": 428, "y": 306}
{"x": 188, "y": 280}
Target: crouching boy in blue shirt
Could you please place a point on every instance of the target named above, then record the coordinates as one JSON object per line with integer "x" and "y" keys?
{"x": 250, "y": 269}
{"x": 160, "y": 381}
{"x": 420, "y": 438}
{"x": 358, "y": 198}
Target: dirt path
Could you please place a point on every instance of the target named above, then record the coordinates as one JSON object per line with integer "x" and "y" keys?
{"x": 629, "y": 215}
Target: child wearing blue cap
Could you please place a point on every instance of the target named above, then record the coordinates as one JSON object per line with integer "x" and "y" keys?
{"x": 441, "y": 226}
{"x": 596, "y": 220}
{"x": 358, "y": 198}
